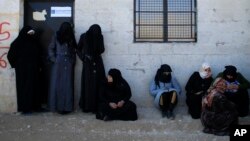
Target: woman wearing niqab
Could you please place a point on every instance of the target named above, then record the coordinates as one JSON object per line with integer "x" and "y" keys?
{"x": 90, "y": 48}
{"x": 62, "y": 55}
{"x": 23, "y": 56}
{"x": 114, "y": 99}
{"x": 165, "y": 89}
{"x": 237, "y": 89}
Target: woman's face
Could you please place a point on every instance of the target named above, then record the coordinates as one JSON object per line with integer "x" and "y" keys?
{"x": 110, "y": 79}
{"x": 208, "y": 70}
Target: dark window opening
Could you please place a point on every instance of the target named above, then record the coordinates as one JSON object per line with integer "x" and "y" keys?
{"x": 165, "y": 21}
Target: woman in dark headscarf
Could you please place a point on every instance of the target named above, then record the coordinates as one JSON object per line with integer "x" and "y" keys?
{"x": 90, "y": 48}
{"x": 23, "y": 56}
{"x": 114, "y": 99}
{"x": 165, "y": 89}
{"x": 236, "y": 91}
{"x": 196, "y": 88}
{"x": 62, "y": 55}
{"x": 218, "y": 113}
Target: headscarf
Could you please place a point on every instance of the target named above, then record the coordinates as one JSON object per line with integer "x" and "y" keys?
{"x": 23, "y": 34}
{"x": 230, "y": 70}
{"x": 218, "y": 87}
{"x": 95, "y": 40}
{"x": 163, "y": 74}
{"x": 65, "y": 34}
{"x": 21, "y": 44}
{"x": 204, "y": 74}
{"x": 116, "y": 76}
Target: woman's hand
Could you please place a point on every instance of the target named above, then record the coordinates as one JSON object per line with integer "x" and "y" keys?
{"x": 120, "y": 103}
{"x": 232, "y": 87}
{"x": 113, "y": 105}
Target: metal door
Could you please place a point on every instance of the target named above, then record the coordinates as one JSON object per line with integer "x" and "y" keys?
{"x": 46, "y": 17}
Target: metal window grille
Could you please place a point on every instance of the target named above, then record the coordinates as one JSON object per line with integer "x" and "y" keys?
{"x": 165, "y": 21}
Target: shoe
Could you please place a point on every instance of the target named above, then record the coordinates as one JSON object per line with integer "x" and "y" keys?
{"x": 164, "y": 114}
{"x": 107, "y": 118}
{"x": 221, "y": 133}
{"x": 207, "y": 130}
{"x": 171, "y": 115}
{"x": 26, "y": 113}
{"x": 41, "y": 110}
{"x": 100, "y": 116}
{"x": 64, "y": 112}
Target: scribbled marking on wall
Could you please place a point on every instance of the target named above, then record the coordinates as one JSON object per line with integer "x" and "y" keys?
{"x": 4, "y": 37}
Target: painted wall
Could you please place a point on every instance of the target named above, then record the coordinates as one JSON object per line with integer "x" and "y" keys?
{"x": 223, "y": 39}
{"x": 9, "y": 26}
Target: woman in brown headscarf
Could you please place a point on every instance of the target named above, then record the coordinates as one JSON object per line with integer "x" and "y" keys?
{"x": 218, "y": 113}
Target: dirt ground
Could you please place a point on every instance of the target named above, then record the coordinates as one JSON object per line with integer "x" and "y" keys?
{"x": 80, "y": 126}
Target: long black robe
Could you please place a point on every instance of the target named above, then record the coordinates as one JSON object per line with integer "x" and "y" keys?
{"x": 196, "y": 84}
{"x": 23, "y": 56}
{"x": 93, "y": 72}
{"x": 115, "y": 94}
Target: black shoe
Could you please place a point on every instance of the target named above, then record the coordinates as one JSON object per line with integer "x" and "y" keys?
{"x": 107, "y": 118}
{"x": 221, "y": 133}
{"x": 171, "y": 115}
{"x": 41, "y": 110}
{"x": 64, "y": 112}
{"x": 26, "y": 113}
{"x": 100, "y": 116}
{"x": 207, "y": 130}
{"x": 164, "y": 114}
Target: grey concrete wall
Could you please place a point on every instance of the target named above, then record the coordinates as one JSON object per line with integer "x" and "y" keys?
{"x": 9, "y": 26}
{"x": 223, "y": 39}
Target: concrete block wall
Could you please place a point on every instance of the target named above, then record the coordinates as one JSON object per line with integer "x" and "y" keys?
{"x": 9, "y": 27}
{"x": 223, "y": 39}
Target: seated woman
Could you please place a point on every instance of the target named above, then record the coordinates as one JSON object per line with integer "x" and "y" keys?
{"x": 114, "y": 99}
{"x": 196, "y": 88}
{"x": 236, "y": 91}
{"x": 164, "y": 89}
{"x": 218, "y": 113}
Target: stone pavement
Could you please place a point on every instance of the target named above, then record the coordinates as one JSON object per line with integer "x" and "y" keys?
{"x": 80, "y": 126}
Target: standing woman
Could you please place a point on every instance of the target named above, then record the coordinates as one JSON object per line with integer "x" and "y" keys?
{"x": 90, "y": 48}
{"x": 196, "y": 88}
{"x": 62, "y": 55}
{"x": 23, "y": 56}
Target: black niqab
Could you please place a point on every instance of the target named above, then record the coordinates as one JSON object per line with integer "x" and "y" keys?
{"x": 161, "y": 75}
{"x": 95, "y": 40}
{"x": 230, "y": 70}
{"x": 65, "y": 34}
{"x": 116, "y": 76}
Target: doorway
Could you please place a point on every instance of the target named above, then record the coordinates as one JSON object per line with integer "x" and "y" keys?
{"x": 46, "y": 16}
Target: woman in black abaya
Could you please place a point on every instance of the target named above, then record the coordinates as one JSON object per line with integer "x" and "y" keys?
{"x": 23, "y": 56}
{"x": 114, "y": 99}
{"x": 90, "y": 48}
